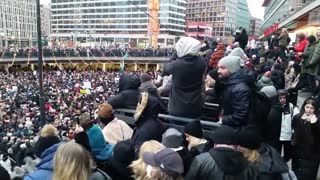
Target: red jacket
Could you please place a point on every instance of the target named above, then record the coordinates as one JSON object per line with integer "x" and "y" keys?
{"x": 216, "y": 56}
{"x": 301, "y": 45}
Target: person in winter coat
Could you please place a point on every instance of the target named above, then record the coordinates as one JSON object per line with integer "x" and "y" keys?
{"x": 213, "y": 88}
{"x": 216, "y": 56}
{"x": 241, "y": 36}
{"x": 277, "y": 77}
{"x": 148, "y": 127}
{"x": 146, "y": 82}
{"x": 128, "y": 92}
{"x": 265, "y": 80}
{"x": 289, "y": 75}
{"x": 188, "y": 73}
{"x": 237, "y": 92}
{"x": 307, "y": 68}
{"x": 223, "y": 161}
{"x": 271, "y": 165}
{"x": 283, "y": 41}
{"x": 302, "y": 43}
{"x": 45, "y": 167}
{"x": 194, "y": 137}
{"x": 306, "y": 141}
{"x": 45, "y": 148}
{"x": 312, "y": 68}
{"x": 118, "y": 166}
{"x": 115, "y": 130}
{"x": 174, "y": 139}
{"x": 4, "y": 173}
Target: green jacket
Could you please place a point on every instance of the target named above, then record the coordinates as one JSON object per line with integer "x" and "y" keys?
{"x": 307, "y": 55}
{"x": 315, "y": 61}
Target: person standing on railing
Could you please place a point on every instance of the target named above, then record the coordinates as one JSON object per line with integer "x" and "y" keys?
{"x": 188, "y": 73}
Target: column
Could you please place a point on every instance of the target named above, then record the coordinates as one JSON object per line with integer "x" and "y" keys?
{"x": 135, "y": 67}
{"x": 146, "y": 67}
{"x": 158, "y": 67}
{"x": 60, "y": 67}
{"x": 104, "y": 67}
{"x": 32, "y": 67}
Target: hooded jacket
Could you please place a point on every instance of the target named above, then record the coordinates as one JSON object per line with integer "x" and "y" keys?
{"x": 148, "y": 127}
{"x": 216, "y": 56}
{"x": 129, "y": 92}
{"x": 221, "y": 164}
{"x": 187, "y": 86}
{"x": 45, "y": 167}
{"x": 237, "y": 99}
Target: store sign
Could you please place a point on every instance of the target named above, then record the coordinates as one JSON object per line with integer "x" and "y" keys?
{"x": 271, "y": 29}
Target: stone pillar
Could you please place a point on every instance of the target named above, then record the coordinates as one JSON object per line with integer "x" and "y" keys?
{"x": 60, "y": 67}
{"x": 32, "y": 67}
{"x": 104, "y": 68}
{"x": 146, "y": 67}
{"x": 158, "y": 67}
{"x": 135, "y": 67}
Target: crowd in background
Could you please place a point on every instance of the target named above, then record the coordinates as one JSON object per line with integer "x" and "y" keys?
{"x": 263, "y": 126}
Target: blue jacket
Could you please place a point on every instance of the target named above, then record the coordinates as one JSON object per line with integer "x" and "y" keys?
{"x": 45, "y": 167}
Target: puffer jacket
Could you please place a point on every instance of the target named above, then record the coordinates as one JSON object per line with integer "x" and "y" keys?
{"x": 221, "y": 164}
{"x": 129, "y": 92}
{"x": 237, "y": 99}
{"x": 45, "y": 167}
{"x": 187, "y": 86}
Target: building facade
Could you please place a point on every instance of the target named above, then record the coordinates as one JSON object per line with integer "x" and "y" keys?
{"x": 223, "y": 15}
{"x": 295, "y": 15}
{"x": 45, "y": 20}
{"x": 114, "y": 22}
{"x": 199, "y": 30}
{"x": 255, "y": 25}
{"x": 18, "y": 25}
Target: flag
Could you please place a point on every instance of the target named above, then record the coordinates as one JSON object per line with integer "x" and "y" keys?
{"x": 122, "y": 62}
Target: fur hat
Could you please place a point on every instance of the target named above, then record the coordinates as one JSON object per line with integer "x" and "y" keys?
{"x": 48, "y": 130}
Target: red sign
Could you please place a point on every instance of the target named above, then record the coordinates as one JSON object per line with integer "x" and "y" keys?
{"x": 271, "y": 29}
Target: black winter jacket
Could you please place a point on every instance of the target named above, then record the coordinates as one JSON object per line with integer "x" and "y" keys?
{"x": 237, "y": 99}
{"x": 148, "y": 127}
{"x": 187, "y": 86}
{"x": 305, "y": 138}
{"x": 221, "y": 164}
{"x": 129, "y": 92}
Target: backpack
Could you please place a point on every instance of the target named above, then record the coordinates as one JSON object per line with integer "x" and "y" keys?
{"x": 259, "y": 108}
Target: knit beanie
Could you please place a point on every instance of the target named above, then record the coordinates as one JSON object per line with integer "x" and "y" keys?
{"x": 269, "y": 91}
{"x": 144, "y": 77}
{"x": 105, "y": 111}
{"x": 123, "y": 152}
{"x": 265, "y": 80}
{"x": 232, "y": 63}
{"x": 172, "y": 138}
{"x": 225, "y": 135}
{"x": 194, "y": 128}
{"x": 240, "y": 53}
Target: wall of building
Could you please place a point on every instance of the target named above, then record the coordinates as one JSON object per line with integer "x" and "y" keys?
{"x": 18, "y": 25}
{"x": 102, "y": 20}
{"x": 45, "y": 20}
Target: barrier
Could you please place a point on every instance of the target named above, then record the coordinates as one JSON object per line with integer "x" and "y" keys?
{"x": 170, "y": 121}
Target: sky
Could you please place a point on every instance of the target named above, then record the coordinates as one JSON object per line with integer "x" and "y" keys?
{"x": 255, "y": 7}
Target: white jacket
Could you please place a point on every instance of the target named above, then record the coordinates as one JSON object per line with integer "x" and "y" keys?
{"x": 286, "y": 130}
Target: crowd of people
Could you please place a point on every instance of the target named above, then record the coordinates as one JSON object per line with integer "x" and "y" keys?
{"x": 61, "y": 51}
{"x": 262, "y": 125}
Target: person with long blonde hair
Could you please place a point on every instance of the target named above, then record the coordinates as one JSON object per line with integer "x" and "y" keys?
{"x": 71, "y": 162}
{"x": 138, "y": 166}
